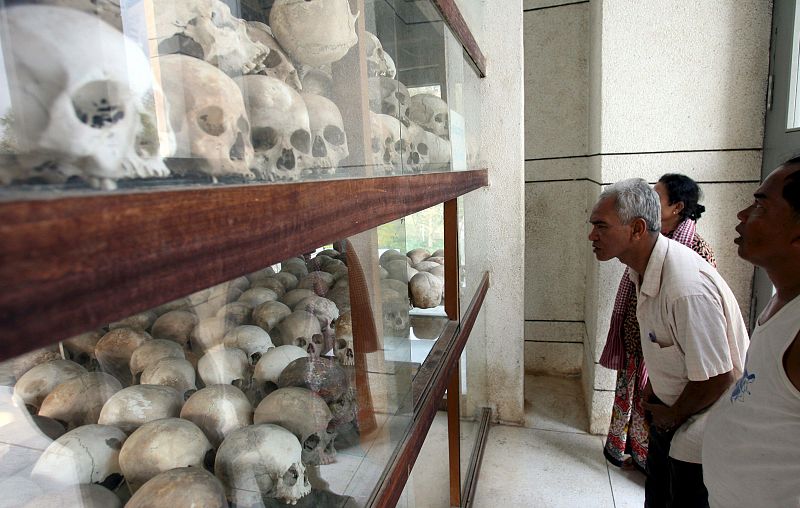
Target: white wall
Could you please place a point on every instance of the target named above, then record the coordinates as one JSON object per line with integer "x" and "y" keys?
{"x": 630, "y": 89}
{"x": 494, "y": 222}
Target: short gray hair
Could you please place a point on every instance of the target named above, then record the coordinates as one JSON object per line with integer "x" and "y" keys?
{"x": 634, "y": 198}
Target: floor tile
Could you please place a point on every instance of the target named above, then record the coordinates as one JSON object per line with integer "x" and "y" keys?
{"x": 627, "y": 487}
{"x": 554, "y": 403}
{"x": 546, "y": 469}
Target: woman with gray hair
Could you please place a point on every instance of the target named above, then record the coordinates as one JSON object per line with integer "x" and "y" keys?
{"x": 626, "y": 444}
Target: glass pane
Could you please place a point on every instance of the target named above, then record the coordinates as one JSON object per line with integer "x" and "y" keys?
{"x": 209, "y": 92}
{"x": 307, "y": 345}
{"x": 465, "y": 106}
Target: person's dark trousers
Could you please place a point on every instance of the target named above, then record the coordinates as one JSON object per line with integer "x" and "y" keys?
{"x": 671, "y": 483}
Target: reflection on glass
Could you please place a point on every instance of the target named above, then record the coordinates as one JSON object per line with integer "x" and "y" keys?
{"x": 159, "y": 92}
{"x": 314, "y": 356}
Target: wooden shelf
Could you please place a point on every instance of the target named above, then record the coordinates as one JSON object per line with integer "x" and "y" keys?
{"x": 72, "y": 264}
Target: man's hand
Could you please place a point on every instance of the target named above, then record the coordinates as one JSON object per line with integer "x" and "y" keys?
{"x": 664, "y": 417}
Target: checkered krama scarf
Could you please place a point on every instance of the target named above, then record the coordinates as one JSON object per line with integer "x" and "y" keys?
{"x": 613, "y": 356}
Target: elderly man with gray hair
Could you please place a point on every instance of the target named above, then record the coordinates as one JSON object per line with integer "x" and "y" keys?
{"x": 692, "y": 332}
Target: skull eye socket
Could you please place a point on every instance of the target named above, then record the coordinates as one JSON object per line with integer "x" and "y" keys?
{"x": 301, "y": 140}
{"x": 264, "y": 138}
{"x": 211, "y": 120}
{"x": 440, "y": 118}
{"x": 98, "y": 104}
{"x": 290, "y": 477}
{"x": 311, "y": 443}
{"x": 422, "y": 148}
{"x": 272, "y": 60}
{"x": 334, "y": 135}
{"x": 401, "y": 98}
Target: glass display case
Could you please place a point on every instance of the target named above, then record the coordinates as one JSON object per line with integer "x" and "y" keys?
{"x": 228, "y": 229}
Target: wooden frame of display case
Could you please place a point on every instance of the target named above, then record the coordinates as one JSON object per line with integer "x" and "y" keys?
{"x": 72, "y": 263}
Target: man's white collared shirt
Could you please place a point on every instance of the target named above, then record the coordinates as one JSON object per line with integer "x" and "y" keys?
{"x": 691, "y": 330}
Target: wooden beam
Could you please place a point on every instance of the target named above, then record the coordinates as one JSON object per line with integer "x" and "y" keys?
{"x": 69, "y": 265}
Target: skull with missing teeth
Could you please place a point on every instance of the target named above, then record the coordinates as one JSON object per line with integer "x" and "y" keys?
{"x": 259, "y": 462}
{"x": 209, "y": 118}
{"x": 281, "y": 131}
{"x": 84, "y": 104}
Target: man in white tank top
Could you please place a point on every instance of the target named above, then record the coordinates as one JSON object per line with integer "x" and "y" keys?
{"x": 751, "y": 447}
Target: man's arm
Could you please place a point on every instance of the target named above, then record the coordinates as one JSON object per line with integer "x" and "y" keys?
{"x": 696, "y": 396}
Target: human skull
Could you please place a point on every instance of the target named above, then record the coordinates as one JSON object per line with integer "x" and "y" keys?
{"x": 208, "y": 114}
{"x": 223, "y": 366}
{"x": 175, "y": 325}
{"x": 295, "y": 266}
{"x": 141, "y": 321}
{"x": 329, "y": 140}
{"x": 384, "y": 135}
{"x": 254, "y": 297}
{"x": 206, "y": 30}
{"x": 38, "y": 382}
{"x": 281, "y": 134}
{"x": 236, "y": 313}
{"x": 259, "y": 462}
{"x": 151, "y": 352}
{"x": 253, "y": 340}
{"x": 81, "y": 348}
{"x": 324, "y": 309}
{"x": 175, "y": 372}
{"x": 87, "y": 454}
{"x": 317, "y": 81}
{"x": 314, "y": 345}
{"x": 431, "y": 113}
{"x": 162, "y": 445}
{"x": 79, "y": 400}
{"x": 317, "y": 281}
{"x": 421, "y": 150}
{"x": 299, "y": 323}
{"x": 389, "y": 97}
{"x": 114, "y": 350}
{"x": 132, "y": 407}
{"x": 396, "y": 319}
{"x": 293, "y": 297}
{"x": 322, "y": 376}
{"x": 218, "y": 410}
{"x": 304, "y": 414}
{"x": 272, "y": 363}
{"x": 426, "y": 290}
{"x": 91, "y": 115}
{"x": 288, "y": 280}
{"x": 314, "y": 32}
{"x": 417, "y": 255}
{"x": 379, "y": 63}
{"x": 276, "y": 64}
{"x": 272, "y": 283}
{"x": 343, "y": 346}
{"x": 269, "y": 314}
{"x": 183, "y": 486}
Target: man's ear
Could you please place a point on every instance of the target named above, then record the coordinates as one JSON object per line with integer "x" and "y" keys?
{"x": 638, "y": 228}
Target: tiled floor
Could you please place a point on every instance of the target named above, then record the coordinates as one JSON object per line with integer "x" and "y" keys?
{"x": 553, "y": 462}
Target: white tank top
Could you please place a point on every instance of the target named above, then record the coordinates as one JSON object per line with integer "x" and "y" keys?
{"x": 751, "y": 447}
